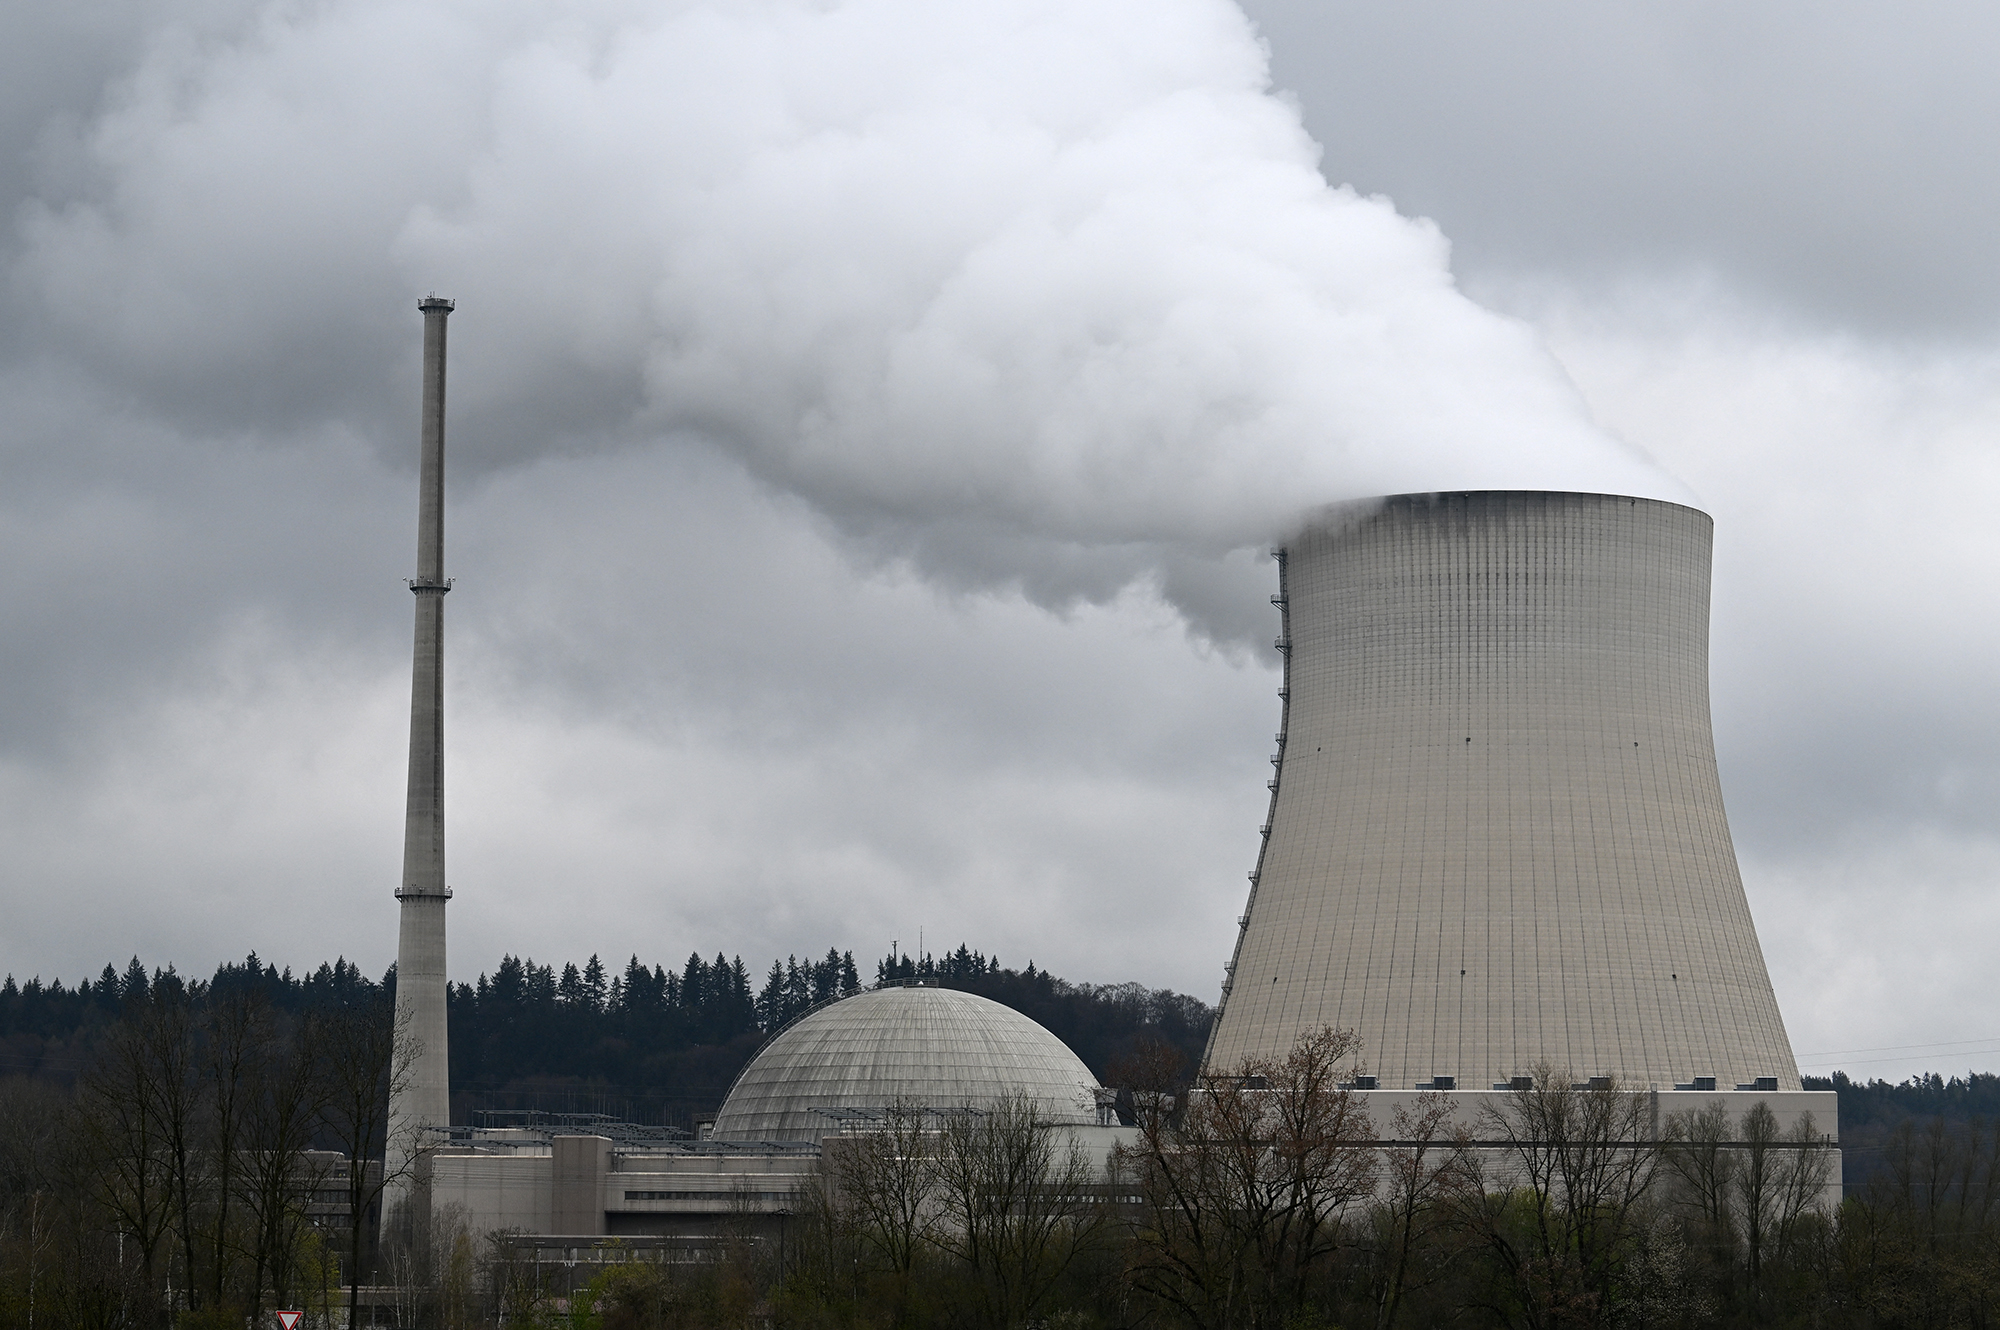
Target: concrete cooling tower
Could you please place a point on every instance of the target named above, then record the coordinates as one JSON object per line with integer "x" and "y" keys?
{"x": 1496, "y": 832}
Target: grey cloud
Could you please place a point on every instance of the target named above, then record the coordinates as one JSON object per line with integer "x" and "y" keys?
{"x": 1829, "y": 158}
{"x": 680, "y": 718}
{"x": 132, "y": 548}
{"x": 1854, "y": 634}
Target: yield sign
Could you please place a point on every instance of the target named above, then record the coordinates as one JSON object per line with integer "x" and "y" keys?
{"x": 290, "y": 1320}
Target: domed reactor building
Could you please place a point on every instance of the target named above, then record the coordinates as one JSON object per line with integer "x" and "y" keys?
{"x": 1496, "y": 836}
{"x": 558, "y": 1183}
{"x": 932, "y": 1048}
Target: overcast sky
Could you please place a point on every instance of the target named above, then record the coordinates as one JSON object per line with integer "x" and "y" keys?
{"x": 867, "y": 421}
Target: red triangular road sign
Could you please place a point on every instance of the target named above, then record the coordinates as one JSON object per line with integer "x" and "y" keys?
{"x": 290, "y": 1320}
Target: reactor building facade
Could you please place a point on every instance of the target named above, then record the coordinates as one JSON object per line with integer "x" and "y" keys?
{"x": 1496, "y": 835}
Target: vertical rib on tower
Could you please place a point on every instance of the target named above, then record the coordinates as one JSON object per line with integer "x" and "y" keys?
{"x": 423, "y": 1099}
{"x": 1497, "y": 833}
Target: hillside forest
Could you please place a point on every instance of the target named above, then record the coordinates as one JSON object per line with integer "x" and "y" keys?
{"x": 660, "y": 1045}
{"x": 649, "y": 1044}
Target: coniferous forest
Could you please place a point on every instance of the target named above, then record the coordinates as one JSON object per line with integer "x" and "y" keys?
{"x": 657, "y": 1045}
{"x": 644, "y": 1043}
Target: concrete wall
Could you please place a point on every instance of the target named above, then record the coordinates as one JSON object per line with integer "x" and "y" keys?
{"x": 1473, "y": 1110}
{"x": 1497, "y": 835}
{"x": 590, "y": 1186}
{"x": 497, "y": 1190}
{"x": 577, "y": 1166}
{"x": 1491, "y": 1127}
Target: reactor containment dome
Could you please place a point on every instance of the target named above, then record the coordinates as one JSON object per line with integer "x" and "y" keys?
{"x": 931, "y": 1048}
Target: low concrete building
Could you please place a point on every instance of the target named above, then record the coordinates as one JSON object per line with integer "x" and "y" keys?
{"x": 595, "y": 1186}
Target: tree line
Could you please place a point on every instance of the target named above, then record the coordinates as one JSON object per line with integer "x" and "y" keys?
{"x": 1101, "y": 1023}
{"x": 1877, "y": 1117}
{"x": 661, "y": 1045}
{"x": 651, "y": 1044}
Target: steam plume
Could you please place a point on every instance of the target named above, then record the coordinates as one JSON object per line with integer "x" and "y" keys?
{"x": 1047, "y": 291}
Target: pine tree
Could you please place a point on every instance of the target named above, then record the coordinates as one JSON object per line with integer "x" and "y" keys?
{"x": 771, "y": 1002}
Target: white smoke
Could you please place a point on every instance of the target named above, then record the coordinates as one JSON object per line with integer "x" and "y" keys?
{"x": 1048, "y": 292}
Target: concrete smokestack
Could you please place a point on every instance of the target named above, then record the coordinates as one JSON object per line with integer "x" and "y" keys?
{"x": 423, "y": 1101}
{"x": 1496, "y": 830}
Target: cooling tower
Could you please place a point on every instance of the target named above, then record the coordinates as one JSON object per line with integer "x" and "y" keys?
{"x": 1496, "y": 832}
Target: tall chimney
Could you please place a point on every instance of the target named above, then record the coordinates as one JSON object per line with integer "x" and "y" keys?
{"x": 421, "y": 1100}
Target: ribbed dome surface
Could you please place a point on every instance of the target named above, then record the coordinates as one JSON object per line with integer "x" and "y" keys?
{"x": 927, "y": 1046}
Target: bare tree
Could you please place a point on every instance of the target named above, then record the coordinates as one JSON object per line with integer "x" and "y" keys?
{"x": 33, "y": 1142}
{"x": 881, "y": 1183}
{"x": 284, "y": 1097}
{"x": 128, "y": 1117}
{"x": 1801, "y": 1181}
{"x": 1921, "y": 1245}
{"x": 171, "y": 1086}
{"x": 1965, "y": 1177}
{"x": 827, "y": 1251}
{"x": 455, "y": 1259}
{"x": 523, "y": 1292}
{"x": 1697, "y": 1157}
{"x": 1757, "y": 1183}
{"x": 366, "y": 1061}
{"x": 1417, "y": 1173}
{"x": 432, "y": 1270}
{"x": 1245, "y": 1185}
{"x": 233, "y": 1030}
{"x": 1557, "y": 1210}
{"x": 62, "y": 1263}
{"x": 1017, "y": 1204}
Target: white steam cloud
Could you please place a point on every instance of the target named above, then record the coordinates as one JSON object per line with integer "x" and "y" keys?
{"x": 1041, "y": 291}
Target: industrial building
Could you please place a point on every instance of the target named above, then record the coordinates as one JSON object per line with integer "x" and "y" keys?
{"x": 835, "y": 1070}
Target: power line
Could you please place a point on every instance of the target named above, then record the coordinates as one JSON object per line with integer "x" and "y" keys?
{"x": 1900, "y": 1048}
{"x": 1876, "y": 1062}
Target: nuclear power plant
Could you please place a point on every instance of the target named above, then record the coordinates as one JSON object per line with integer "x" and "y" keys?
{"x": 1496, "y": 850}
{"x": 1496, "y": 835}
